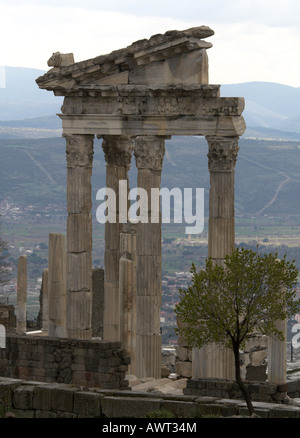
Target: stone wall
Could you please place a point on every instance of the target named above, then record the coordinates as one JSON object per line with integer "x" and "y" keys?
{"x": 7, "y": 317}
{"x": 87, "y": 363}
{"x": 22, "y": 399}
{"x": 259, "y": 391}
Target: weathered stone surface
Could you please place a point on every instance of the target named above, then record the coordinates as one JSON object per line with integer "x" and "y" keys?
{"x": 90, "y": 363}
{"x": 22, "y": 295}
{"x": 128, "y": 407}
{"x": 87, "y": 405}
{"x": 61, "y": 59}
{"x": 118, "y": 152}
{"x": 57, "y": 288}
{"x": 97, "y": 302}
{"x": 157, "y": 49}
{"x": 23, "y": 397}
{"x": 277, "y": 364}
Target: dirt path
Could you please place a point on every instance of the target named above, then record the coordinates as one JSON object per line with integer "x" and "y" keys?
{"x": 287, "y": 179}
{"x": 40, "y": 166}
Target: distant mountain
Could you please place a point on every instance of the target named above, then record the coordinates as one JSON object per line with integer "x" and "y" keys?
{"x": 272, "y": 110}
{"x": 22, "y": 99}
{"x": 268, "y": 105}
{"x": 33, "y": 173}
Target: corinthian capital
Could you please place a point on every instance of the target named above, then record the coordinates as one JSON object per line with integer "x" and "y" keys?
{"x": 222, "y": 153}
{"x": 117, "y": 149}
{"x": 79, "y": 150}
{"x": 149, "y": 152}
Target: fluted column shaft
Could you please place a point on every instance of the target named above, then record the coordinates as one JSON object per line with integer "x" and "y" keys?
{"x": 212, "y": 361}
{"x": 149, "y": 152}
{"x": 45, "y": 299}
{"x": 118, "y": 153}
{"x": 57, "y": 289}
{"x": 21, "y": 312}
{"x": 222, "y": 158}
{"x": 277, "y": 366}
{"x": 79, "y": 154}
{"x": 127, "y": 285}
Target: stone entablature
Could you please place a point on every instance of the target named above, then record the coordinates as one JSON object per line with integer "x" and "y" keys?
{"x": 158, "y": 86}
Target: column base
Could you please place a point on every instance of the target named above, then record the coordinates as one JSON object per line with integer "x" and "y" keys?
{"x": 80, "y": 334}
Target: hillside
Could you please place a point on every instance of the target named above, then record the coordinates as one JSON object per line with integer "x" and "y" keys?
{"x": 268, "y": 105}
{"x": 33, "y": 172}
{"x": 22, "y": 99}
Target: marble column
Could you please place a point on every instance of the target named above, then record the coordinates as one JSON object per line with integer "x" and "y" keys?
{"x": 21, "y": 312}
{"x": 57, "y": 289}
{"x": 118, "y": 153}
{"x": 45, "y": 301}
{"x": 222, "y": 158}
{"x": 149, "y": 152}
{"x": 127, "y": 288}
{"x": 277, "y": 366}
{"x": 212, "y": 361}
{"x": 79, "y": 154}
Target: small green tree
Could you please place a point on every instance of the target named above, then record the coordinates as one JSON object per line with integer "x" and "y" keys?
{"x": 227, "y": 304}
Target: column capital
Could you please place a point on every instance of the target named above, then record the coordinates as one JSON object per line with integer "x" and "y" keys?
{"x": 149, "y": 152}
{"x": 79, "y": 150}
{"x": 117, "y": 149}
{"x": 222, "y": 153}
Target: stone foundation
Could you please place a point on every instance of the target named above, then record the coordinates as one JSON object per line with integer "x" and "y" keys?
{"x": 57, "y": 400}
{"x": 227, "y": 389}
{"x": 91, "y": 363}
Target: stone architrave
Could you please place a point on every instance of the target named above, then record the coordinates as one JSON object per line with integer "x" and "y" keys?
{"x": 149, "y": 153}
{"x": 118, "y": 153}
{"x": 21, "y": 295}
{"x": 79, "y": 154}
{"x": 127, "y": 289}
{"x": 57, "y": 288}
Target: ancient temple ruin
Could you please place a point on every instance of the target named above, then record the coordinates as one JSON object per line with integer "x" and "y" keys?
{"x": 135, "y": 99}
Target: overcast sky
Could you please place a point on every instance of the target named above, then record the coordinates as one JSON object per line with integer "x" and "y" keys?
{"x": 255, "y": 40}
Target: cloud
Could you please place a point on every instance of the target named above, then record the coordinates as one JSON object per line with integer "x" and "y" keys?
{"x": 247, "y": 52}
{"x": 270, "y": 12}
{"x": 33, "y": 33}
{"x": 253, "y": 40}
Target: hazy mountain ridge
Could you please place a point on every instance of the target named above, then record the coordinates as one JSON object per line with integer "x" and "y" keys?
{"x": 272, "y": 110}
{"x": 33, "y": 172}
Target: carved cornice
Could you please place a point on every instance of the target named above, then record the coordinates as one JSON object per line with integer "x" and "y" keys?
{"x": 149, "y": 152}
{"x": 222, "y": 153}
{"x": 117, "y": 149}
{"x": 79, "y": 150}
